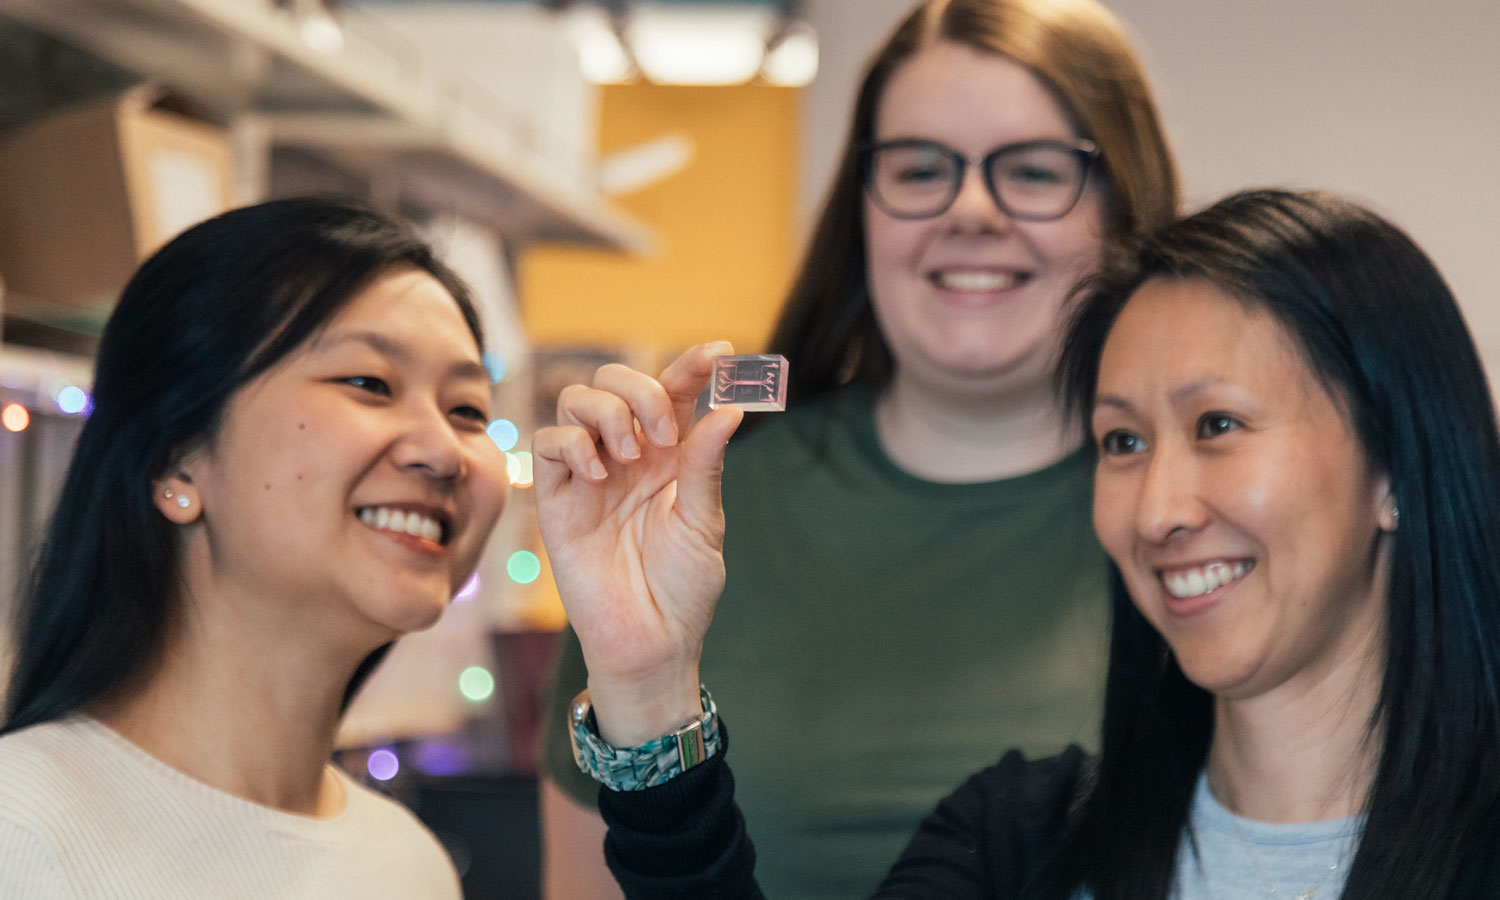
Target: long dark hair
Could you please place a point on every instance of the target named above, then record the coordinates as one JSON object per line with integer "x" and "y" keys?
{"x": 1378, "y": 326}
{"x": 827, "y": 329}
{"x": 212, "y": 310}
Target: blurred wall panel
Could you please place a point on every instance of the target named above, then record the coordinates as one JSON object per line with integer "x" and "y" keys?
{"x": 724, "y": 225}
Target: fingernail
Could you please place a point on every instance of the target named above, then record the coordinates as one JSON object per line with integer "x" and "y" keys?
{"x": 596, "y": 469}
{"x": 666, "y": 431}
{"x": 629, "y": 448}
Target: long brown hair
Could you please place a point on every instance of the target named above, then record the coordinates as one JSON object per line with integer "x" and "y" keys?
{"x": 1077, "y": 49}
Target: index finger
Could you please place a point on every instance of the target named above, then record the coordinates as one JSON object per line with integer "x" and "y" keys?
{"x": 686, "y": 377}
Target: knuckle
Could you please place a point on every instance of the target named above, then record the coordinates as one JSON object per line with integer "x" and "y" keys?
{"x": 611, "y": 372}
{"x": 579, "y": 441}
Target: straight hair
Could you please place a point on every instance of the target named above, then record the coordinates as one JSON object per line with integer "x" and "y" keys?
{"x": 207, "y": 314}
{"x": 1379, "y": 328}
{"x": 1078, "y": 50}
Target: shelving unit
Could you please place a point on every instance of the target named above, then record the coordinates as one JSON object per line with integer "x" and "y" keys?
{"x": 377, "y": 106}
{"x": 380, "y": 113}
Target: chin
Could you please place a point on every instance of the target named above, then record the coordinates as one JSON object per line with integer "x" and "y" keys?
{"x": 421, "y": 620}
{"x": 1222, "y": 676}
{"x": 409, "y": 615}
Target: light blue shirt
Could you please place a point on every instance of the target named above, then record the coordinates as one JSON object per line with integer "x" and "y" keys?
{"x": 1239, "y": 858}
{"x": 1242, "y": 859}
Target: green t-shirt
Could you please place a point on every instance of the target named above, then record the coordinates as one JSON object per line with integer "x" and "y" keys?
{"x": 881, "y": 638}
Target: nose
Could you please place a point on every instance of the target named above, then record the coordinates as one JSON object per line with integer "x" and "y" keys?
{"x": 974, "y": 208}
{"x": 1168, "y": 505}
{"x": 430, "y": 446}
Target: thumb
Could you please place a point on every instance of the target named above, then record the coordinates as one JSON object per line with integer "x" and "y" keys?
{"x": 702, "y": 466}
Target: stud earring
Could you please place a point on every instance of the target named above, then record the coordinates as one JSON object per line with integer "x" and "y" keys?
{"x": 168, "y": 493}
{"x": 1395, "y": 514}
{"x": 184, "y": 501}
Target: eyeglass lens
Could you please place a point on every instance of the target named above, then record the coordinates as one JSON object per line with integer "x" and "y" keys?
{"x": 1034, "y": 181}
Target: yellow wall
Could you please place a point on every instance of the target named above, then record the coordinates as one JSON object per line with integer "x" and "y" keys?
{"x": 724, "y": 228}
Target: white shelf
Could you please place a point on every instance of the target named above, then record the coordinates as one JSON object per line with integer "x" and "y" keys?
{"x": 378, "y": 104}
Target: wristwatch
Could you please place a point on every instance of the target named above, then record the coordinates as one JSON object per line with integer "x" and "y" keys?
{"x": 653, "y": 763}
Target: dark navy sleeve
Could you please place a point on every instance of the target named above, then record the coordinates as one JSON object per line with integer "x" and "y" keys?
{"x": 682, "y": 839}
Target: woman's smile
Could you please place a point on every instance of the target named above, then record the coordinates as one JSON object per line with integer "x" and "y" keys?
{"x": 422, "y": 528}
{"x": 1197, "y": 587}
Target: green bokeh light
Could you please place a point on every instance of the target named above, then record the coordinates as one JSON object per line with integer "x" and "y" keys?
{"x": 523, "y": 567}
{"x": 476, "y": 683}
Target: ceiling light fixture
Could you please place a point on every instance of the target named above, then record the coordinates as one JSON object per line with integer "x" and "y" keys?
{"x": 692, "y": 45}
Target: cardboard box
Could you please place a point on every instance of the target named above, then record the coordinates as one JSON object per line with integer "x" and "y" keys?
{"x": 88, "y": 192}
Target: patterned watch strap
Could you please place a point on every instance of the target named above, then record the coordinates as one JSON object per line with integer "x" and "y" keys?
{"x": 651, "y": 764}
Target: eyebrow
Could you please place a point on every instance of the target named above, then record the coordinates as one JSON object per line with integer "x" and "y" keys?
{"x": 1178, "y": 396}
{"x": 385, "y": 346}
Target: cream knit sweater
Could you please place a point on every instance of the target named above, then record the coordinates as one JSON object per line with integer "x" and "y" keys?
{"x": 86, "y": 814}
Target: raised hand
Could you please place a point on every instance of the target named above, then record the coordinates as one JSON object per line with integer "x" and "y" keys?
{"x": 629, "y": 507}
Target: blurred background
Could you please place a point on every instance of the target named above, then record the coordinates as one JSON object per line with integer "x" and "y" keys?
{"x": 618, "y": 180}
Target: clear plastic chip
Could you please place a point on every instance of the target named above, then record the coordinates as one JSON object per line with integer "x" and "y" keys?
{"x": 755, "y": 383}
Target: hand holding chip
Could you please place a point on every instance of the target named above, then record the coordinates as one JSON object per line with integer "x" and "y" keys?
{"x": 629, "y": 508}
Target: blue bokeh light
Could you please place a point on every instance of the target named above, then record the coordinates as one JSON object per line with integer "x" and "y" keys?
{"x": 72, "y": 400}
{"x": 494, "y": 363}
{"x": 504, "y": 433}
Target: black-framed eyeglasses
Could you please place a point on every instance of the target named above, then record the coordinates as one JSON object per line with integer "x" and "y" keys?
{"x": 1033, "y": 180}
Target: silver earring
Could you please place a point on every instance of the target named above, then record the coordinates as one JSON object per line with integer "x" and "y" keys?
{"x": 167, "y": 493}
{"x": 184, "y": 501}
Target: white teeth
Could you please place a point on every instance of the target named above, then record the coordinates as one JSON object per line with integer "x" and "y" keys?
{"x": 977, "y": 281}
{"x": 411, "y": 523}
{"x": 1195, "y": 582}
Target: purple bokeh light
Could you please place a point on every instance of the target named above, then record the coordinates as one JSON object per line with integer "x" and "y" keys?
{"x": 383, "y": 765}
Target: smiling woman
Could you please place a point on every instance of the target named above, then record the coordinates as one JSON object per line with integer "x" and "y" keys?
{"x": 286, "y": 469}
{"x": 916, "y": 524}
{"x": 1296, "y": 483}
{"x": 327, "y": 443}
{"x": 1236, "y": 499}
{"x": 1282, "y": 386}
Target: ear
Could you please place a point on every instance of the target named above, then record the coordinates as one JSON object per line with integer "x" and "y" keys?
{"x": 1388, "y": 514}
{"x": 175, "y": 498}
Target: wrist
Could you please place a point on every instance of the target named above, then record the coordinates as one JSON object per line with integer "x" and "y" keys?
{"x": 630, "y": 712}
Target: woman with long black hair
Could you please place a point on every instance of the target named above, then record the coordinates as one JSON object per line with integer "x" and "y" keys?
{"x": 1296, "y": 482}
{"x": 286, "y": 468}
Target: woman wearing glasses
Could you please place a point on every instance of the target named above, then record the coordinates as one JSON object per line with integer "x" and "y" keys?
{"x": 1296, "y": 480}
{"x": 912, "y": 577}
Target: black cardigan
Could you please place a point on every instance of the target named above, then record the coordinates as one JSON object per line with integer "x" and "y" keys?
{"x": 687, "y": 839}
{"x": 986, "y": 841}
